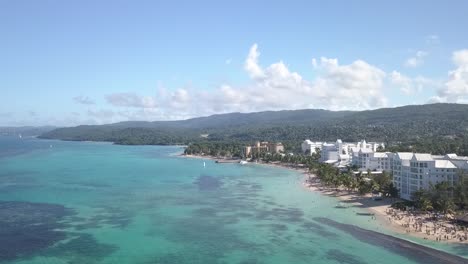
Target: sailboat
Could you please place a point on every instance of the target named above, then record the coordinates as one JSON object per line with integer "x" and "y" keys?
{"x": 204, "y": 164}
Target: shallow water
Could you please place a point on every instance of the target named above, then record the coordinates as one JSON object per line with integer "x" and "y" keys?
{"x": 84, "y": 202}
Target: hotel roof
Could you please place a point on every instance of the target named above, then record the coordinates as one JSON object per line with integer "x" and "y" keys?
{"x": 404, "y": 155}
{"x": 456, "y": 157}
{"x": 445, "y": 164}
{"x": 380, "y": 154}
{"x": 366, "y": 150}
{"x": 422, "y": 157}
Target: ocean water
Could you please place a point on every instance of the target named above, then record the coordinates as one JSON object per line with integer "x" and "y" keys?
{"x": 86, "y": 202}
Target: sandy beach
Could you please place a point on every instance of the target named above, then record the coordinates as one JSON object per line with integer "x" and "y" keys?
{"x": 417, "y": 225}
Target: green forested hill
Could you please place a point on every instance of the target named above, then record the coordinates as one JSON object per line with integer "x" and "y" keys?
{"x": 432, "y": 128}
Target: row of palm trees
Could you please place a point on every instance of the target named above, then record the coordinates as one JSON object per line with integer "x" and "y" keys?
{"x": 363, "y": 182}
{"x": 442, "y": 197}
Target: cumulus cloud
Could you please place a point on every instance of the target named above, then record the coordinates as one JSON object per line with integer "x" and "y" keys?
{"x": 251, "y": 63}
{"x": 408, "y": 85}
{"x": 455, "y": 89}
{"x": 358, "y": 85}
{"x": 180, "y": 99}
{"x": 416, "y": 60}
{"x": 131, "y": 100}
{"x": 83, "y": 100}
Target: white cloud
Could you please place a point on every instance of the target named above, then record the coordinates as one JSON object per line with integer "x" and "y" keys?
{"x": 455, "y": 89}
{"x": 354, "y": 86}
{"x": 408, "y": 85}
{"x": 251, "y": 63}
{"x": 416, "y": 60}
{"x": 83, "y": 100}
{"x": 358, "y": 85}
{"x": 131, "y": 100}
{"x": 180, "y": 99}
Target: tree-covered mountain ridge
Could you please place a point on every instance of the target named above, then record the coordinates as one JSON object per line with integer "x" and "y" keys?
{"x": 411, "y": 125}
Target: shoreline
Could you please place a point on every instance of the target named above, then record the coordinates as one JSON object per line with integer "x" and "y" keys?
{"x": 388, "y": 218}
{"x": 396, "y": 221}
{"x": 234, "y": 161}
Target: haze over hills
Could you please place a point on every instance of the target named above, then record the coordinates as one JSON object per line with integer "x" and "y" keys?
{"x": 407, "y": 124}
{"x": 25, "y": 130}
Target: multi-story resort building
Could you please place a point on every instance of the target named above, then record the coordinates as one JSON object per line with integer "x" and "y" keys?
{"x": 310, "y": 147}
{"x": 263, "y": 147}
{"x": 415, "y": 171}
{"x": 410, "y": 171}
{"x": 339, "y": 153}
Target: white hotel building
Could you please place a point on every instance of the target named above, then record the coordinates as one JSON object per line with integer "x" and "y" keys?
{"x": 339, "y": 153}
{"x": 310, "y": 147}
{"x": 411, "y": 171}
{"x": 415, "y": 171}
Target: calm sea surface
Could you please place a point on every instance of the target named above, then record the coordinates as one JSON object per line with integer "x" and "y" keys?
{"x": 83, "y": 202}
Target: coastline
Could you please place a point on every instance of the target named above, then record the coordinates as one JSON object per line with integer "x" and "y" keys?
{"x": 222, "y": 160}
{"x": 390, "y": 219}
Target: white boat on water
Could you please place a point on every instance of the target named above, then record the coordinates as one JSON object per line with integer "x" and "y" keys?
{"x": 243, "y": 162}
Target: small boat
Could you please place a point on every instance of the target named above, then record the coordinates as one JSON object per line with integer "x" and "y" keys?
{"x": 20, "y": 136}
{"x": 204, "y": 164}
{"x": 366, "y": 214}
{"x": 243, "y": 162}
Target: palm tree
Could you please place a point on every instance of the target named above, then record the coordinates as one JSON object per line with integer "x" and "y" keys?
{"x": 441, "y": 198}
{"x": 421, "y": 200}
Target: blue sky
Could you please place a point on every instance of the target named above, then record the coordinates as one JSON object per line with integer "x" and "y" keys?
{"x": 92, "y": 62}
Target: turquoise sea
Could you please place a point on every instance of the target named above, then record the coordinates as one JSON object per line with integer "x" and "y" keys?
{"x": 86, "y": 202}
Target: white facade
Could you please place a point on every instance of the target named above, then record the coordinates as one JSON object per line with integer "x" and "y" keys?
{"x": 415, "y": 171}
{"x": 329, "y": 153}
{"x": 339, "y": 153}
{"x": 367, "y": 159}
{"x": 412, "y": 171}
{"x": 401, "y": 173}
{"x": 310, "y": 147}
{"x": 335, "y": 153}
